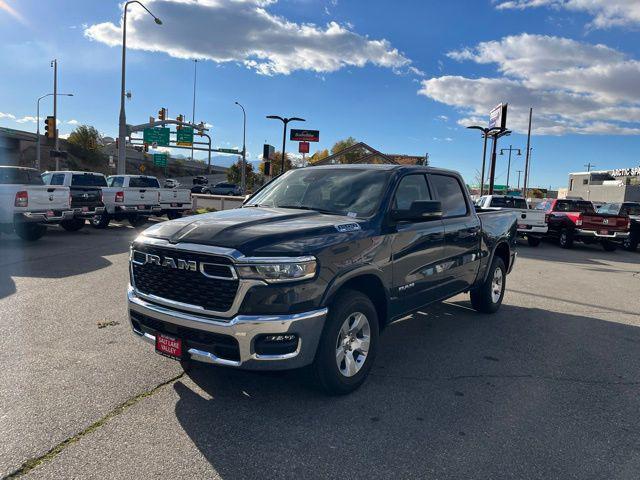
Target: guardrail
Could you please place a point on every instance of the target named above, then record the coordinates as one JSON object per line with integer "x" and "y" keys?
{"x": 219, "y": 202}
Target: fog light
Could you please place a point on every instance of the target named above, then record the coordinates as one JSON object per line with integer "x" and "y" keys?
{"x": 276, "y": 344}
{"x": 280, "y": 338}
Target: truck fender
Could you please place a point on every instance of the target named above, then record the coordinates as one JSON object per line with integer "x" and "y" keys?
{"x": 492, "y": 253}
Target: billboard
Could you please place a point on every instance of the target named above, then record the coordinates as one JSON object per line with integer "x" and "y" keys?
{"x": 304, "y": 135}
{"x": 498, "y": 116}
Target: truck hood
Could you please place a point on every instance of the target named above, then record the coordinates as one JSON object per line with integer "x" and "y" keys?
{"x": 261, "y": 231}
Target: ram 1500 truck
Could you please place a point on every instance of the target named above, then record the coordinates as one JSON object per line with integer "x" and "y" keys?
{"x": 131, "y": 197}
{"x": 532, "y": 224}
{"x": 631, "y": 210}
{"x": 27, "y": 205}
{"x": 573, "y": 220}
{"x": 174, "y": 201}
{"x": 313, "y": 266}
{"x": 86, "y": 195}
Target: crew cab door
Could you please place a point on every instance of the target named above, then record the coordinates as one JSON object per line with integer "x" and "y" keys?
{"x": 462, "y": 231}
{"x": 416, "y": 251}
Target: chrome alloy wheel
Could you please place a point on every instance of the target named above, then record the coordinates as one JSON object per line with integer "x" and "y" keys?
{"x": 496, "y": 285}
{"x": 352, "y": 345}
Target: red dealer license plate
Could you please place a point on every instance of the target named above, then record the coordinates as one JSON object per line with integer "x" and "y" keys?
{"x": 604, "y": 232}
{"x": 169, "y": 346}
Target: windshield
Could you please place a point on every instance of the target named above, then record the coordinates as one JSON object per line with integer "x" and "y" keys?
{"x": 631, "y": 210}
{"x": 508, "y": 202}
{"x": 342, "y": 191}
{"x": 574, "y": 206}
{"x": 88, "y": 180}
{"x": 144, "y": 182}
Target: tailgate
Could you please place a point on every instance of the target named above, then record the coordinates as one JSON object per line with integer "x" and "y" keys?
{"x": 85, "y": 197}
{"x": 604, "y": 222}
{"x": 531, "y": 217}
{"x": 175, "y": 196}
{"x": 47, "y": 197}
{"x": 141, "y": 196}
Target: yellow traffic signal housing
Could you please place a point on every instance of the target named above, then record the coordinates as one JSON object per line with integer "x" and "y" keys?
{"x": 162, "y": 114}
{"x": 146, "y": 147}
{"x": 50, "y": 127}
{"x": 179, "y": 118}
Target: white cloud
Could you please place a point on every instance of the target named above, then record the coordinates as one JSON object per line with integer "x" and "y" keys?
{"x": 605, "y": 13}
{"x": 27, "y": 119}
{"x": 574, "y": 87}
{"x": 245, "y": 31}
{"x": 444, "y": 118}
{"x": 443, "y": 139}
{"x": 10, "y": 116}
{"x": 73, "y": 122}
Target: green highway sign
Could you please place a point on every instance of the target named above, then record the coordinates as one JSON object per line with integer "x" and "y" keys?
{"x": 184, "y": 137}
{"x": 228, "y": 150}
{"x": 159, "y": 136}
{"x": 160, "y": 159}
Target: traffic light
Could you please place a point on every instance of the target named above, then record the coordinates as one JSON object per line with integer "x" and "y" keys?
{"x": 146, "y": 147}
{"x": 162, "y": 114}
{"x": 50, "y": 127}
{"x": 179, "y": 118}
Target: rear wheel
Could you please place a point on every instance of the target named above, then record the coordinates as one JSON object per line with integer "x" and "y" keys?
{"x": 30, "y": 231}
{"x": 348, "y": 345}
{"x": 72, "y": 225}
{"x": 100, "y": 221}
{"x": 631, "y": 243}
{"x": 488, "y": 297}
{"x": 608, "y": 246}
{"x": 173, "y": 214}
{"x": 533, "y": 241}
{"x": 566, "y": 238}
{"x": 136, "y": 220}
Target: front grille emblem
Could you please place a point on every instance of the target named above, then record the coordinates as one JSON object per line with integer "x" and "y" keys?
{"x": 169, "y": 262}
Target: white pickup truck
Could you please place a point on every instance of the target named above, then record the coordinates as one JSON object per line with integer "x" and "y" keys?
{"x": 131, "y": 197}
{"x": 174, "y": 201}
{"x": 532, "y": 224}
{"x": 27, "y": 205}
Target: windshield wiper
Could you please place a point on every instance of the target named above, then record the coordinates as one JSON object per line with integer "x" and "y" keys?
{"x": 304, "y": 207}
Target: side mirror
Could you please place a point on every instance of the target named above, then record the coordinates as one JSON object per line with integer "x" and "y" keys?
{"x": 420, "y": 211}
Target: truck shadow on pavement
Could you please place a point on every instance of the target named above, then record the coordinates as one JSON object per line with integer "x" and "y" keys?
{"x": 524, "y": 393}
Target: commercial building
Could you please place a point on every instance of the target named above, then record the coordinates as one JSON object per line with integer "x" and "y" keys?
{"x": 619, "y": 185}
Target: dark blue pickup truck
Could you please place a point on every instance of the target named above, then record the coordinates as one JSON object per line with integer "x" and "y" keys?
{"x": 313, "y": 267}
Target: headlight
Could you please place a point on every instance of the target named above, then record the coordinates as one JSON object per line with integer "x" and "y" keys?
{"x": 282, "y": 270}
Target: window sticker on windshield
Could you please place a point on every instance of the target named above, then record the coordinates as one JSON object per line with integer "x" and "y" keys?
{"x": 352, "y": 214}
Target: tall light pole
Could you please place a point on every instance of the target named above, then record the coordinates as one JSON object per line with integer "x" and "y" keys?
{"x": 510, "y": 149}
{"x": 243, "y": 182}
{"x": 519, "y": 172}
{"x": 38, "y": 122}
{"x": 285, "y": 122}
{"x": 485, "y": 134}
{"x": 193, "y": 111}
{"x": 122, "y": 129}
{"x": 54, "y": 64}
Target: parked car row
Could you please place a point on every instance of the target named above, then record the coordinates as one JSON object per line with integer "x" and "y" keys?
{"x": 572, "y": 220}
{"x": 30, "y": 200}
{"x": 201, "y": 186}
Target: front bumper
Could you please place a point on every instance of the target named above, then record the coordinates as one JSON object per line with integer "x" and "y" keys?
{"x": 596, "y": 234}
{"x": 245, "y": 329}
{"x": 44, "y": 216}
{"x": 150, "y": 210}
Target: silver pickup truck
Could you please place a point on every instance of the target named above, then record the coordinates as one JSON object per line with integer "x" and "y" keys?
{"x": 27, "y": 205}
{"x": 131, "y": 197}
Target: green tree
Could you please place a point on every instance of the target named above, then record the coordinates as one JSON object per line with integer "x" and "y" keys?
{"x": 276, "y": 164}
{"x": 86, "y": 142}
{"x": 319, "y": 155}
{"x": 234, "y": 174}
{"x": 352, "y": 156}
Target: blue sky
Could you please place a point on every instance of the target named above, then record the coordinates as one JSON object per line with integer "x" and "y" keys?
{"x": 403, "y": 76}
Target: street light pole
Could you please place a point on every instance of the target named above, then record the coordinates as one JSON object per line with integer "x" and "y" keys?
{"x": 519, "y": 172}
{"x": 285, "y": 122}
{"x": 38, "y": 122}
{"x": 193, "y": 111}
{"x": 243, "y": 183}
{"x": 54, "y": 64}
{"x": 485, "y": 134}
{"x": 122, "y": 124}
{"x": 510, "y": 149}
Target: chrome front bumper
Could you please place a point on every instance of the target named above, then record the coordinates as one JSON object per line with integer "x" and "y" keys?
{"x": 595, "y": 234}
{"x": 245, "y": 329}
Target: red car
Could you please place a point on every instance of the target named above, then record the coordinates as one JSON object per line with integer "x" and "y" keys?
{"x": 576, "y": 220}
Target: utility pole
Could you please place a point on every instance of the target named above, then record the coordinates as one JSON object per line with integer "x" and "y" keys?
{"x": 519, "y": 172}
{"x": 589, "y": 166}
{"x": 526, "y": 162}
{"x": 54, "y": 64}
{"x": 193, "y": 111}
{"x": 243, "y": 182}
{"x": 486, "y": 132}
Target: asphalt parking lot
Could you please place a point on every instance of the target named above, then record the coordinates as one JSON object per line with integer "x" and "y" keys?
{"x": 546, "y": 388}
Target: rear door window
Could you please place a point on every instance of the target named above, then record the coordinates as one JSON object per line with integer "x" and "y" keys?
{"x": 115, "y": 181}
{"x": 411, "y": 188}
{"x": 450, "y": 193}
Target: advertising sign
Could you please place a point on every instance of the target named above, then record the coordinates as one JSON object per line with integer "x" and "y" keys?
{"x": 625, "y": 172}
{"x": 303, "y": 147}
{"x": 304, "y": 135}
{"x": 498, "y": 116}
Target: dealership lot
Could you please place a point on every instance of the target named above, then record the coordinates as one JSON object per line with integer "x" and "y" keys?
{"x": 547, "y": 387}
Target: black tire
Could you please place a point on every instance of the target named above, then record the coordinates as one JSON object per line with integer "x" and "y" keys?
{"x": 325, "y": 366}
{"x": 631, "y": 244}
{"x": 186, "y": 364}
{"x": 533, "y": 241}
{"x": 100, "y": 221}
{"x": 30, "y": 231}
{"x": 608, "y": 246}
{"x": 173, "y": 214}
{"x": 136, "y": 221}
{"x": 566, "y": 238}
{"x": 483, "y": 298}
{"x": 72, "y": 225}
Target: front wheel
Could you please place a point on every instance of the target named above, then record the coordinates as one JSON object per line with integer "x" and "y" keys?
{"x": 533, "y": 241}
{"x": 348, "y": 345}
{"x": 30, "y": 231}
{"x": 608, "y": 246}
{"x": 631, "y": 243}
{"x": 487, "y": 298}
{"x": 72, "y": 225}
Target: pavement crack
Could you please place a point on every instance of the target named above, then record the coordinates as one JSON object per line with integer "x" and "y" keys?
{"x": 35, "y": 462}
{"x": 508, "y": 376}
